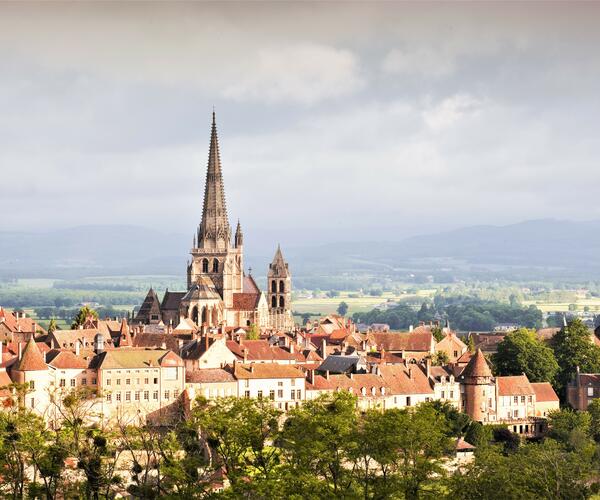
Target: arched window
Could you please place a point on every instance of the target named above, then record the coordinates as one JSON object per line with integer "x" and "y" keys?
{"x": 281, "y": 302}
{"x": 204, "y": 315}
{"x": 216, "y": 266}
{"x": 195, "y": 314}
{"x": 273, "y": 301}
{"x": 204, "y": 265}
{"x": 281, "y": 287}
{"x": 273, "y": 286}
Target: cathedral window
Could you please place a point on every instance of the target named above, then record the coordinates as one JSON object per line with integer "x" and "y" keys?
{"x": 273, "y": 286}
{"x": 204, "y": 265}
{"x": 281, "y": 287}
{"x": 215, "y": 266}
{"x": 273, "y": 301}
{"x": 281, "y": 302}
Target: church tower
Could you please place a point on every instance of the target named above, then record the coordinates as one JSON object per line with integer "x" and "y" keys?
{"x": 279, "y": 283}
{"x": 217, "y": 264}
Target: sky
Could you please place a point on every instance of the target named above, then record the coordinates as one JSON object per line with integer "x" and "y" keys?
{"x": 337, "y": 121}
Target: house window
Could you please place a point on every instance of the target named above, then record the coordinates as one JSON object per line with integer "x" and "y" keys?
{"x": 280, "y": 393}
{"x": 32, "y": 402}
{"x": 118, "y": 396}
{"x": 407, "y": 400}
{"x": 63, "y": 382}
{"x": 259, "y": 394}
{"x": 456, "y": 354}
{"x": 167, "y": 395}
{"x": 522, "y": 399}
{"x": 146, "y": 395}
{"x": 293, "y": 393}
{"x": 32, "y": 385}
{"x": 127, "y": 381}
{"x": 108, "y": 398}
{"x": 247, "y": 383}
{"x": 516, "y": 413}
{"x": 293, "y": 382}
{"x": 93, "y": 381}
{"x": 272, "y": 394}
{"x": 280, "y": 384}
{"x": 246, "y": 394}
{"x": 451, "y": 394}
{"x": 84, "y": 381}
{"x": 530, "y": 399}
{"x": 155, "y": 395}
{"x": 72, "y": 382}
{"x": 137, "y": 395}
{"x": 155, "y": 380}
{"x": 146, "y": 380}
{"x": 298, "y": 394}
{"x": 590, "y": 391}
{"x": 128, "y": 396}
{"x": 516, "y": 399}
{"x": 118, "y": 381}
{"x": 443, "y": 395}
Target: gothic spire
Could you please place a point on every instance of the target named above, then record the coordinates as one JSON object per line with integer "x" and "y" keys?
{"x": 279, "y": 266}
{"x": 239, "y": 236}
{"x": 214, "y": 230}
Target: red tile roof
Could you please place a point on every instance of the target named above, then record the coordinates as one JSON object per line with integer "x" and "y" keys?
{"x": 245, "y": 301}
{"x": 266, "y": 370}
{"x": 516, "y": 385}
{"x": 544, "y": 391}
{"x": 404, "y": 341}
{"x": 32, "y": 359}
{"x": 66, "y": 360}
{"x": 478, "y": 366}
{"x": 209, "y": 375}
{"x": 406, "y": 379}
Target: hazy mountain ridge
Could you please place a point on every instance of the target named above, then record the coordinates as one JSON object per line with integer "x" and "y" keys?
{"x": 547, "y": 247}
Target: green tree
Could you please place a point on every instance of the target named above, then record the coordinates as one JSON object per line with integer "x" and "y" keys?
{"x": 594, "y": 411}
{"x": 571, "y": 428}
{"x": 522, "y": 352}
{"x": 253, "y": 332}
{"x": 239, "y": 431}
{"x": 318, "y": 440}
{"x": 573, "y": 347}
{"x": 440, "y": 358}
{"x": 438, "y": 333}
{"x": 342, "y": 308}
{"x": 81, "y": 317}
{"x": 471, "y": 344}
{"x": 52, "y": 326}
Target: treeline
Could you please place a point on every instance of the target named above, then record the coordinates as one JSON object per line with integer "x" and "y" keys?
{"x": 325, "y": 449}
{"x": 74, "y": 285}
{"x": 464, "y": 313}
{"x": 68, "y": 314}
{"x": 48, "y": 297}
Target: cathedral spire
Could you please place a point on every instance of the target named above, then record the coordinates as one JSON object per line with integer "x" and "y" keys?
{"x": 239, "y": 236}
{"x": 214, "y": 231}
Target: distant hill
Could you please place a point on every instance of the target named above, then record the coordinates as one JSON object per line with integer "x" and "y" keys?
{"x": 540, "y": 249}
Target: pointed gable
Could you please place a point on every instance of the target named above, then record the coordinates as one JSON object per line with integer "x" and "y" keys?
{"x": 150, "y": 309}
{"x": 124, "y": 335}
{"x": 32, "y": 358}
{"x": 278, "y": 268}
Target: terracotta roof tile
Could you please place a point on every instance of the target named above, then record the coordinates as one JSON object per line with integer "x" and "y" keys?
{"x": 245, "y": 301}
{"x": 544, "y": 391}
{"x": 209, "y": 375}
{"x": 266, "y": 370}
{"x": 478, "y": 366}
{"x": 404, "y": 341}
{"x": 514, "y": 385}
{"x": 32, "y": 359}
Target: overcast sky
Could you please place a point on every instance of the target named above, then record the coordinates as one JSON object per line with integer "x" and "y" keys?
{"x": 336, "y": 121}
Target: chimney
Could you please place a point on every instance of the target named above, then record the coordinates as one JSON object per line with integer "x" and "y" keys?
{"x": 364, "y": 345}
{"x": 44, "y": 356}
{"x": 327, "y": 374}
{"x": 20, "y": 351}
{"x": 81, "y": 327}
{"x": 245, "y": 351}
{"x": 428, "y": 367}
{"x": 76, "y": 348}
{"x": 351, "y": 375}
{"x": 292, "y": 349}
{"x": 324, "y": 348}
{"x": 163, "y": 345}
{"x": 311, "y": 375}
{"x": 410, "y": 328}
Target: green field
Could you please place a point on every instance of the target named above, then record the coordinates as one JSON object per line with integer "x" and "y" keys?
{"x": 327, "y": 305}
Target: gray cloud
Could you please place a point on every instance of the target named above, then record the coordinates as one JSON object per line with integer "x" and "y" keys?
{"x": 337, "y": 121}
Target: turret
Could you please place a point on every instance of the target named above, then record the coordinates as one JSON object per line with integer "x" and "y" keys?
{"x": 99, "y": 343}
{"x": 480, "y": 395}
{"x": 239, "y": 236}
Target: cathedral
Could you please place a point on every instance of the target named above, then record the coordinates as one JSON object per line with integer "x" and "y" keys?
{"x": 219, "y": 292}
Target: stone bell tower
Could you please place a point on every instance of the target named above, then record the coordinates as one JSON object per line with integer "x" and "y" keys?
{"x": 279, "y": 283}
{"x": 214, "y": 257}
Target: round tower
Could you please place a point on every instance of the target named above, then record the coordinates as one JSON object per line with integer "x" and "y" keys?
{"x": 479, "y": 393}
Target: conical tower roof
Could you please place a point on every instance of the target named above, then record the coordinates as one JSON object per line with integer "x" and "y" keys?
{"x": 214, "y": 230}
{"x": 278, "y": 267}
{"x": 477, "y": 367}
{"x": 32, "y": 358}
